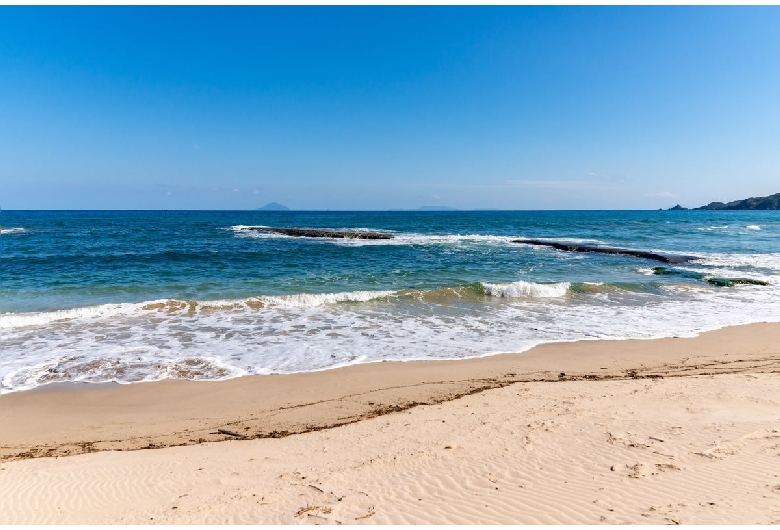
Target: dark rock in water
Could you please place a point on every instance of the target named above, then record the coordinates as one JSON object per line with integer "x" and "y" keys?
{"x": 730, "y": 282}
{"x": 317, "y": 232}
{"x": 571, "y": 247}
{"x": 719, "y": 282}
{"x": 663, "y": 271}
{"x": 678, "y": 207}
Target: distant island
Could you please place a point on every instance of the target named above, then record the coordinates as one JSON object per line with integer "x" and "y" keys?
{"x": 274, "y": 207}
{"x": 770, "y": 202}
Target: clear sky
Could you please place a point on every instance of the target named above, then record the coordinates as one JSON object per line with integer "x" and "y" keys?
{"x": 387, "y": 107}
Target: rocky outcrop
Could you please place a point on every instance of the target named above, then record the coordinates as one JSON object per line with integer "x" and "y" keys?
{"x": 317, "y": 232}
{"x": 731, "y": 282}
{"x": 571, "y": 247}
{"x": 718, "y": 282}
{"x": 770, "y": 202}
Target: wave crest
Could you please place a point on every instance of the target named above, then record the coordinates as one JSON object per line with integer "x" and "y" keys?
{"x": 191, "y": 307}
{"x": 315, "y": 300}
{"x": 18, "y": 320}
{"x": 526, "y": 289}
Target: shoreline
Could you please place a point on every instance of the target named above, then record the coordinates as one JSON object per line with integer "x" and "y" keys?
{"x": 53, "y": 422}
{"x": 666, "y": 431}
{"x": 78, "y": 386}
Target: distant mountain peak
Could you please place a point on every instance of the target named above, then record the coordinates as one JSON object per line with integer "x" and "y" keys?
{"x": 274, "y": 207}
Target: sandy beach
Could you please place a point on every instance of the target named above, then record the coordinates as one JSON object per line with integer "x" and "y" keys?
{"x": 679, "y": 430}
{"x": 410, "y": 264}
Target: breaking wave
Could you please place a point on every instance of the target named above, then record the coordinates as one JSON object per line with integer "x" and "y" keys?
{"x": 170, "y": 307}
{"x": 526, "y": 289}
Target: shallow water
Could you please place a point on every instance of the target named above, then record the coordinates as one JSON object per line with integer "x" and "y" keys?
{"x": 135, "y": 296}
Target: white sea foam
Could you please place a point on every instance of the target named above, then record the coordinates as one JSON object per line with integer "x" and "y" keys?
{"x": 526, "y": 289}
{"x": 770, "y": 261}
{"x": 80, "y": 368}
{"x": 399, "y": 239}
{"x": 763, "y": 267}
{"x": 572, "y": 240}
{"x": 17, "y": 230}
{"x": 645, "y": 271}
{"x": 753, "y": 227}
{"x": 242, "y": 228}
{"x": 316, "y": 300}
{"x": 306, "y": 332}
{"x": 170, "y": 307}
{"x": 17, "y": 320}
{"x": 144, "y": 345}
{"x": 714, "y": 271}
{"x": 412, "y": 239}
{"x": 405, "y": 238}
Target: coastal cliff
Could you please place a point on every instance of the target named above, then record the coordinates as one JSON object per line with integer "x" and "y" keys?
{"x": 770, "y": 202}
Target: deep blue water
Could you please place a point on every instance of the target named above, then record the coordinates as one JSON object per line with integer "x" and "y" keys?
{"x": 129, "y": 296}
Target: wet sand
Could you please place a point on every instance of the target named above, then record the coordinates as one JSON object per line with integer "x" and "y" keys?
{"x": 668, "y": 430}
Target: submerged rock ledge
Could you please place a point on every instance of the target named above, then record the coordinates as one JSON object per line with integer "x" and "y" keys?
{"x": 712, "y": 280}
{"x": 317, "y": 232}
{"x": 571, "y": 247}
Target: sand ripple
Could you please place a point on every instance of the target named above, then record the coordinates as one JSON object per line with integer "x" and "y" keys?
{"x": 702, "y": 449}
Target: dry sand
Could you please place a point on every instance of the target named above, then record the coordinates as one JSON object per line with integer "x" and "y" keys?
{"x": 664, "y": 431}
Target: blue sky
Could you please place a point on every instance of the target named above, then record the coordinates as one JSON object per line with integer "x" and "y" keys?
{"x": 387, "y": 107}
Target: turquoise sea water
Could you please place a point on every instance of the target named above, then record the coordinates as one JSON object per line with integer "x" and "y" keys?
{"x": 135, "y": 296}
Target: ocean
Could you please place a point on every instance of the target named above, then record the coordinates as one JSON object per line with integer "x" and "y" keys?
{"x": 131, "y": 296}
